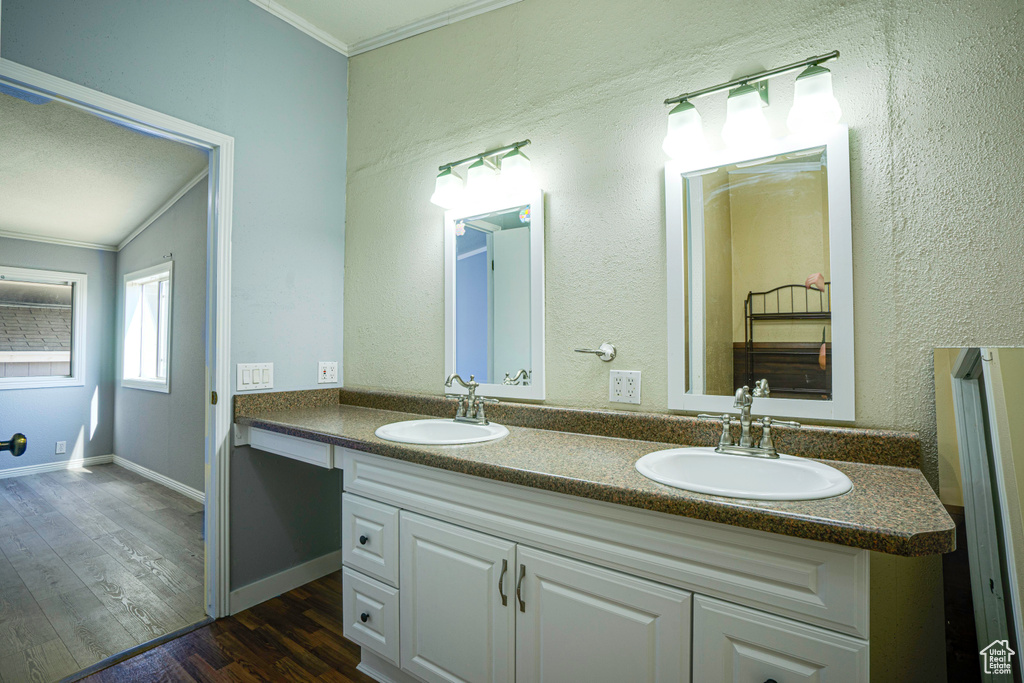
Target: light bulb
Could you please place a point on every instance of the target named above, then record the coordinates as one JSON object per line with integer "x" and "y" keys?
{"x": 481, "y": 180}
{"x": 815, "y": 108}
{"x": 516, "y": 175}
{"x": 447, "y": 189}
{"x": 745, "y": 124}
{"x": 685, "y": 132}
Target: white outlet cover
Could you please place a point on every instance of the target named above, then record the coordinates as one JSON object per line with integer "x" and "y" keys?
{"x": 62, "y": 447}
{"x": 327, "y": 372}
{"x": 624, "y": 386}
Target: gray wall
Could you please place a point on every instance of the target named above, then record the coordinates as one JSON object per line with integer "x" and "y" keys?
{"x": 230, "y": 66}
{"x": 47, "y": 416}
{"x": 164, "y": 432}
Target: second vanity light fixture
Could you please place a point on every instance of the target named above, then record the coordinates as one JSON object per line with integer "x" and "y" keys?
{"x": 814, "y": 107}
{"x": 503, "y": 169}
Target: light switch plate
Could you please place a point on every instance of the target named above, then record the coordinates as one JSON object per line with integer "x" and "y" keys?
{"x": 254, "y": 376}
{"x": 328, "y": 372}
{"x": 624, "y": 386}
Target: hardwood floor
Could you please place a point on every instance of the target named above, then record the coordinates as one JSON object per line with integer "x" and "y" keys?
{"x": 294, "y": 637}
{"x": 92, "y": 562}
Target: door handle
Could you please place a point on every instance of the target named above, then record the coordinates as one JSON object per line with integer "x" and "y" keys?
{"x": 501, "y": 583}
{"x": 16, "y": 445}
{"x": 519, "y": 588}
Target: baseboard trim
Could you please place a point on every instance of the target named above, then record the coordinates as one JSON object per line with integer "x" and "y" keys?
{"x": 56, "y": 466}
{"x": 282, "y": 582}
{"x": 381, "y": 670}
{"x": 161, "y": 479}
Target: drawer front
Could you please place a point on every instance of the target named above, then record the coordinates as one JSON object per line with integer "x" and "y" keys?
{"x": 369, "y": 537}
{"x": 370, "y": 611}
{"x": 732, "y": 643}
{"x": 303, "y": 450}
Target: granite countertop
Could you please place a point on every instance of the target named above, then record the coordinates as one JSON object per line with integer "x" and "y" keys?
{"x": 890, "y": 509}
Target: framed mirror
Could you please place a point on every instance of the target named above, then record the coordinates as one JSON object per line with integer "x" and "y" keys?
{"x": 494, "y": 296}
{"x": 760, "y": 278}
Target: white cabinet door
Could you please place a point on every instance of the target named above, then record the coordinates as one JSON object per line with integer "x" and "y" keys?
{"x": 578, "y": 622}
{"x": 741, "y": 645}
{"x": 454, "y": 625}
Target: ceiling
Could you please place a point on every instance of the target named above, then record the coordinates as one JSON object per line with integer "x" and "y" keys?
{"x": 69, "y": 176}
{"x": 355, "y": 26}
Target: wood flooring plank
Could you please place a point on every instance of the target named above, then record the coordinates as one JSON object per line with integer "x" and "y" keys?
{"x": 22, "y": 622}
{"x": 188, "y": 556}
{"x": 8, "y": 574}
{"x": 40, "y": 568}
{"x": 136, "y": 608}
{"x": 158, "y": 573}
{"x": 191, "y": 604}
{"x": 44, "y": 663}
{"x": 81, "y": 513}
{"x": 187, "y": 525}
{"x": 23, "y": 499}
{"x": 67, "y": 540}
{"x": 85, "y": 626}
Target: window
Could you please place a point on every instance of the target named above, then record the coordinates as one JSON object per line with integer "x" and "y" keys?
{"x": 147, "y": 329}
{"x": 42, "y": 328}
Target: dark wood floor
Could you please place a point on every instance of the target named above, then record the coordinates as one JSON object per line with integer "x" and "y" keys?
{"x": 92, "y": 562}
{"x": 294, "y": 637}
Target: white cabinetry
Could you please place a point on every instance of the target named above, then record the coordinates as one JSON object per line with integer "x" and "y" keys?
{"x": 497, "y": 582}
{"x": 454, "y": 626}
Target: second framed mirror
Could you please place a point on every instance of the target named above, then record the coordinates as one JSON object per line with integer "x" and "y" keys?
{"x": 494, "y": 296}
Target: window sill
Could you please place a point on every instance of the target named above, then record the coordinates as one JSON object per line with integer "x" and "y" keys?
{"x": 40, "y": 382}
{"x": 147, "y": 385}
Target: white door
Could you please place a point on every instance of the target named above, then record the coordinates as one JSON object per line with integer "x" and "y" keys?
{"x": 455, "y": 623}
{"x": 577, "y": 622}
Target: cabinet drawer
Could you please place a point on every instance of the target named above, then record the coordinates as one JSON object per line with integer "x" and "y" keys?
{"x": 370, "y": 611}
{"x": 732, "y": 643}
{"x": 369, "y": 537}
{"x": 304, "y": 450}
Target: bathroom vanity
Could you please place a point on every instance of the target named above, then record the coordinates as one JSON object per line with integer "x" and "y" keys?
{"x": 544, "y": 555}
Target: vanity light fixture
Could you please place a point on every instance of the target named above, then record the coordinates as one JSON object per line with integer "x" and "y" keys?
{"x": 814, "y": 107}
{"x": 448, "y": 188}
{"x": 483, "y": 178}
{"x": 685, "y": 132}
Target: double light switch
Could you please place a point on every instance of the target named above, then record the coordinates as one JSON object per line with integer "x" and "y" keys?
{"x": 253, "y": 376}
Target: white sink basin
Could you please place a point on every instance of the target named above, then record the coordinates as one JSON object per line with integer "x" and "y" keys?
{"x": 739, "y": 476}
{"x": 440, "y": 432}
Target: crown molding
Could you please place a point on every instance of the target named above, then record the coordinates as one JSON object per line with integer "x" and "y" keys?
{"x": 56, "y": 240}
{"x": 438, "y": 20}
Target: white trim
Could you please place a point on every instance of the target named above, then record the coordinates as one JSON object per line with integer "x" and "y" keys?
{"x": 218, "y": 295}
{"x": 79, "y": 317}
{"x": 55, "y": 466}
{"x": 34, "y": 356}
{"x": 438, "y": 20}
{"x": 409, "y": 30}
{"x": 841, "y": 407}
{"x": 535, "y": 199}
{"x": 56, "y": 240}
{"x": 164, "y": 208}
{"x": 270, "y": 587}
{"x": 139, "y": 276}
{"x": 379, "y": 669}
{"x": 306, "y": 27}
{"x": 163, "y": 480}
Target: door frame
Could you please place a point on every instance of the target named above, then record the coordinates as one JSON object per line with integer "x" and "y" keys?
{"x": 221, "y": 150}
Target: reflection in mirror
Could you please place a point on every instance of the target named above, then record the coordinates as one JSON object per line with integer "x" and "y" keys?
{"x": 35, "y": 329}
{"x": 761, "y": 278}
{"x": 492, "y": 296}
{"x": 980, "y": 437}
{"x": 766, "y": 282}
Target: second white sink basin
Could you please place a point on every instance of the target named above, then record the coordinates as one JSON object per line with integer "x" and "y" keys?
{"x": 739, "y": 476}
{"x": 440, "y": 432}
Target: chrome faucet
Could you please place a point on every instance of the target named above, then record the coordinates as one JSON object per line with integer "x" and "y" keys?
{"x": 471, "y": 406}
{"x": 744, "y": 400}
{"x": 523, "y": 375}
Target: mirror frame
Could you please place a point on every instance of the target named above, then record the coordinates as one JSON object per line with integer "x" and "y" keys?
{"x": 535, "y": 199}
{"x": 841, "y": 408}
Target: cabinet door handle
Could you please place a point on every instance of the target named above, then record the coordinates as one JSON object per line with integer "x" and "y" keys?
{"x": 501, "y": 583}
{"x": 771, "y": 680}
{"x": 519, "y": 588}
{"x": 364, "y": 617}
{"x": 363, "y": 540}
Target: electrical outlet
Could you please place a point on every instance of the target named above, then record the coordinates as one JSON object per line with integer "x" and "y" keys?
{"x": 328, "y": 372}
{"x": 624, "y": 386}
{"x": 62, "y": 447}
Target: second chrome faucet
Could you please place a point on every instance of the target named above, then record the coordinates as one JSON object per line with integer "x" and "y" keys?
{"x": 471, "y": 406}
{"x": 744, "y": 400}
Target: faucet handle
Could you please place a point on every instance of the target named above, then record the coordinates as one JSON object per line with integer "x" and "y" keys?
{"x": 726, "y": 420}
{"x": 768, "y": 437}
